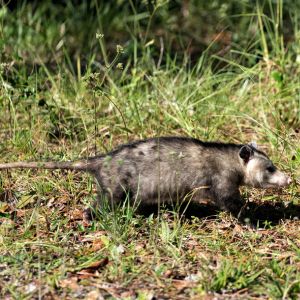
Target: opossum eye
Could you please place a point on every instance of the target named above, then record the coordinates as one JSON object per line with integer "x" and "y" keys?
{"x": 271, "y": 169}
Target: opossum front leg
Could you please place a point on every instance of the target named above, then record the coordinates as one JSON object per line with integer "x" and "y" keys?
{"x": 230, "y": 201}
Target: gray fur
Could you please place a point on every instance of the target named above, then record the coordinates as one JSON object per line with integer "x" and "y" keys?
{"x": 171, "y": 169}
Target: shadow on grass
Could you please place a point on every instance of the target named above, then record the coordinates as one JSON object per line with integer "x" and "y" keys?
{"x": 257, "y": 214}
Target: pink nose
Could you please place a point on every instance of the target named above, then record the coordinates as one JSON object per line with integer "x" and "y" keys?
{"x": 289, "y": 180}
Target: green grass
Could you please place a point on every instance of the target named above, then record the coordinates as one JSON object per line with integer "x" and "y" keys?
{"x": 64, "y": 95}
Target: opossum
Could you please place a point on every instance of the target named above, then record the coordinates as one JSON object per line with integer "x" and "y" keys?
{"x": 169, "y": 169}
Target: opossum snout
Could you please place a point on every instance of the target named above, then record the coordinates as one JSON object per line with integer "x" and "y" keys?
{"x": 280, "y": 179}
{"x": 260, "y": 172}
{"x": 288, "y": 181}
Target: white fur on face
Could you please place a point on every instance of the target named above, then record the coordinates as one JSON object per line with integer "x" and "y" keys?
{"x": 254, "y": 174}
{"x": 279, "y": 179}
{"x": 257, "y": 175}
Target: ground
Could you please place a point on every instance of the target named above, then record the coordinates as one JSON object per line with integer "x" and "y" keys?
{"x": 69, "y": 91}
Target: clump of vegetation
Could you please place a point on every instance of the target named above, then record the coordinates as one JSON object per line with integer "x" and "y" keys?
{"x": 80, "y": 77}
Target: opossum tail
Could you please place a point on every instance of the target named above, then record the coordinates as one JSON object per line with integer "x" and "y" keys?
{"x": 81, "y": 165}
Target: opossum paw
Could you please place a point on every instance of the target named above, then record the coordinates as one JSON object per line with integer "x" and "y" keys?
{"x": 89, "y": 215}
{"x": 236, "y": 209}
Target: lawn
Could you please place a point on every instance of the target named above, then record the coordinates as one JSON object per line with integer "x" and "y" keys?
{"x": 78, "y": 78}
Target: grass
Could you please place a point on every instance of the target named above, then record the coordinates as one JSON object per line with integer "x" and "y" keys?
{"x": 66, "y": 93}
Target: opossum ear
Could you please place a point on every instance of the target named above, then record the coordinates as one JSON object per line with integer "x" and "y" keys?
{"x": 245, "y": 153}
{"x": 253, "y": 144}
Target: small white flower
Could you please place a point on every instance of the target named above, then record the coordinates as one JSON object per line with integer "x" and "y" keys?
{"x": 120, "y": 249}
{"x": 99, "y": 35}
{"x": 120, "y": 49}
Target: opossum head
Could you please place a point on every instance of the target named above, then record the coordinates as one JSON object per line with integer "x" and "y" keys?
{"x": 259, "y": 170}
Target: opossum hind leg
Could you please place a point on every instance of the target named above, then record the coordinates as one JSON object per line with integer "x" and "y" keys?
{"x": 98, "y": 204}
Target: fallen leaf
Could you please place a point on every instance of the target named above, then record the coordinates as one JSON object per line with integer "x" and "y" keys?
{"x": 182, "y": 284}
{"x": 76, "y": 214}
{"x": 168, "y": 273}
{"x": 6, "y": 225}
{"x": 70, "y": 283}
{"x": 93, "y": 235}
{"x": 237, "y": 229}
{"x": 31, "y": 287}
{"x": 128, "y": 295}
{"x": 88, "y": 271}
{"x": 85, "y": 274}
{"x": 3, "y": 207}
{"x": 94, "y": 295}
{"x": 25, "y": 200}
{"x": 21, "y": 213}
{"x": 97, "y": 245}
{"x": 140, "y": 246}
{"x": 264, "y": 231}
{"x": 98, "y": 264}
